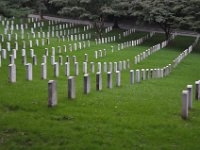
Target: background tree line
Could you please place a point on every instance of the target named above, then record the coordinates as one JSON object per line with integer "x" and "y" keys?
{"x": 168, "y": 14}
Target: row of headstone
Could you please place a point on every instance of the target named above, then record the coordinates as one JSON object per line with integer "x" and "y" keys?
{"x": 52, "y": 93}
{"x": 100, "y": 53}
{"x": 12, "y": 72}
{"x": 88, "y": 27}
{"x": 60, "y": 49}
{"x": 38, "y": 35}
{"x": 8, "y": 46}
{"x": 187, "y": 98}
{"x": 185, "y": 53}
{"x": 29, "y": 72}
{"x": 128, "y": 32}
{"x": 70, "y": 48}
{"x": 12, "y": 26}
{"x": 105, "y": 40}
{"x": 52, "y": 90}
{"x": 131, "y": 43}
{"x": 63, "y": 26}
{"x": 38, "y": 24}
{"x": 120, "y": 66}
{"x": 69, "y": 31}
{"x": 57, "y": 23}
{"x": 196, "y": 41}
{"x": 106, "y": 67}
{"x": 37, "y": 43}
{"x": 108, "y": 29}
{"x": 51, "y": 29}
{"x": 143, "y": 55}
{"x": 53, "y": 22}
{"x": 165, "y": 71}
{"x": 7, "y": 37}
{"x": 155, "y": 73}
{"x": 79, "y": 37}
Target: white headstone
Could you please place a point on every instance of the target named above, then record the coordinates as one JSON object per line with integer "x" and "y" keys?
{"x": 138, "y": 76}
{"x": 85, "y": 67}
{"x": 189, "y": 88}
{"x": 92, "y": 67}
{"x": 43, "y": 71}
{"x": 52, "y": 93}
{"x": 109, "y": 80}
{"x": 76, "y": 69}
{"x": 60, "y": 60}
{"x": 110, "y": 67}
{"x": 118, "y": 78}
{"x": 12, "y": 73}
{"x": 52, "y": 60}
{"x": 98, "y": 81}
{"x": 56, "y": 69}
{"x": 132, "y": 76}
{"x": 197, "y": 91}
{"x": 71, "y": 88}
{"x": 99, "y": 67}
{"x": 86, "y": 83}
{"x": 185, "y": 104}
{"x": 34, "y": 60}
{"x": 29, "y": 75}
{"x": 67, "y": 69}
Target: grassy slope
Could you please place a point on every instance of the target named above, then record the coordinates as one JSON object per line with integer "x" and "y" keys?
{"x": 140, "y": 116}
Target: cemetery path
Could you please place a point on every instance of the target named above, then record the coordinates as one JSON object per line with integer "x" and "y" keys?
{"x": 123, "y": 26}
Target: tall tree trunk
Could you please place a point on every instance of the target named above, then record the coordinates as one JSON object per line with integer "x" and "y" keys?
{"x": 99, "y": 24}
{"x": 41, "y": 14}
{"x": 116, "y": 24}
{"x": 167, "y": 35}
{"x": 167, "y": 29}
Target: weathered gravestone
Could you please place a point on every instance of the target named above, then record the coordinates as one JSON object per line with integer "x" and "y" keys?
{"x": 184, "y": 104}
{"x": 52, "y": 93}
{"x": 71, "y": 88}
{"x": 86, "y": 84}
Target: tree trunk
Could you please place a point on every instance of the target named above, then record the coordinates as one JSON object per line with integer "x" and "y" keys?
{"x": 167, "y": 35}
{"x": 116, "y": 25}
{"x": 99, "y": 24}
{"x": 167, "y": 29}
{"x": 41, "y": 15}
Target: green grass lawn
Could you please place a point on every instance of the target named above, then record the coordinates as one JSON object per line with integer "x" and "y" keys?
{"x": 139, "y": 116}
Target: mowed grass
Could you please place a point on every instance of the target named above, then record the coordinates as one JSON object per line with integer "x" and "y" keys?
{"x": 139, "y": 116}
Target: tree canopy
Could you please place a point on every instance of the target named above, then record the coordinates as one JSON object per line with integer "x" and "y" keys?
{"x": 17, "y": 8}
{"x": 168, "y": 14}
{"x": 191, "y": 15}
{"x": 117, "y": 9}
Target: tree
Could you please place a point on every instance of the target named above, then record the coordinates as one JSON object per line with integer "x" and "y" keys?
{"x": 117, "y": 9}
{"x": 39, "y": 6}
{"x": 190, "y": 15}
{"x": 69, "y": 8}
{"x": 99, "y": 25}
{"x": 164, "y": 13}
{"x": 83, "y": 9}
{"x": 17, "y": 8}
